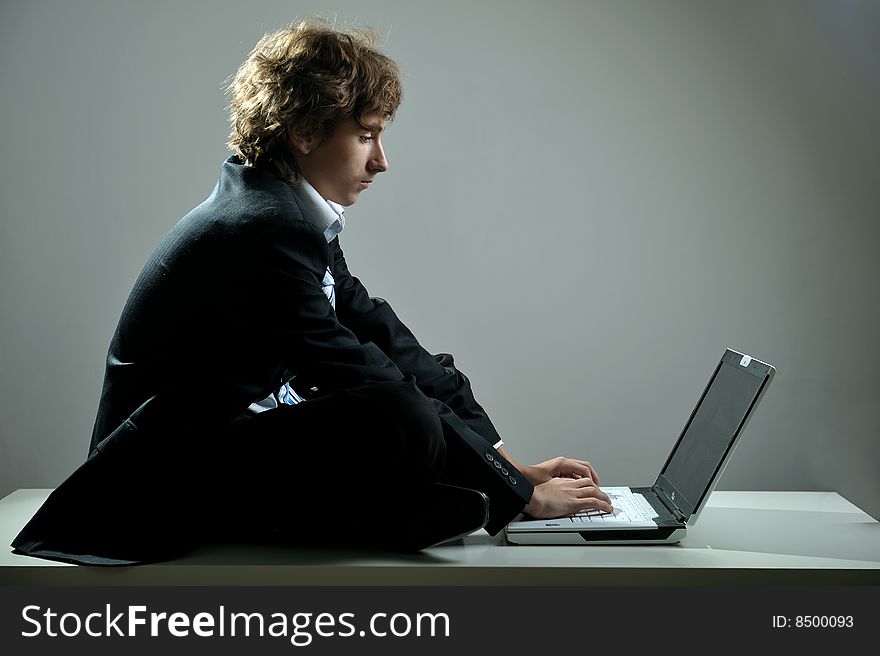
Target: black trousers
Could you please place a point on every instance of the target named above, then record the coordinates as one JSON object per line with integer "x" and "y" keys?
{"x": 355, "y": 468}
{"x": 345, "y": 468}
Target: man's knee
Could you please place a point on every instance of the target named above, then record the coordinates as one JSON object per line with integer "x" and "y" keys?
{"x": 405, "y": 423}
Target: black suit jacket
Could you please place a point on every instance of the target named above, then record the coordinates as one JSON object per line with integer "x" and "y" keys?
{"x": 228, "y": 307}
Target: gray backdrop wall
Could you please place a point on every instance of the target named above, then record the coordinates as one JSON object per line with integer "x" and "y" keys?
{"x": 587, "y": 202}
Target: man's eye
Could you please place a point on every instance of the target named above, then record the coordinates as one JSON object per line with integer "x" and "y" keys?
{"x": 366, "y": 138}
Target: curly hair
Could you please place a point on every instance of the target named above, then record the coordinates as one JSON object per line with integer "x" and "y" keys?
{"x": 309, "y": 77}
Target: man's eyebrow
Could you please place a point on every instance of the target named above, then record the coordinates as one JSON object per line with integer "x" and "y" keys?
{"x": 373, "y": 127}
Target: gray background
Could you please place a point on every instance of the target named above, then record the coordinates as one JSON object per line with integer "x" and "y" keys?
{"x": 587, "y": 202}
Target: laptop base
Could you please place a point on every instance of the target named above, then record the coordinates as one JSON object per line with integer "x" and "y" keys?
{"x": 660, "y": 535}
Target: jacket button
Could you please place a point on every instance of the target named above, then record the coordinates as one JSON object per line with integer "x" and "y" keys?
{"x": 490, "y": 457}
{"x": 512, "y": 480}
{"x": 497, "y": 464}
{"x": 504, "y": 472}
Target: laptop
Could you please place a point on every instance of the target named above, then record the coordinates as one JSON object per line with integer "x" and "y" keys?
{"x": 661, "y": 513}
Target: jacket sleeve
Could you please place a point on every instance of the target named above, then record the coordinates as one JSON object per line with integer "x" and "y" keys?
{"x": 316, "y": 347}
{"x": 373, "y": 320}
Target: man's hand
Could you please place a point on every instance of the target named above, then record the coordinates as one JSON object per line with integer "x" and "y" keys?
{"x": 560, "y": 467}
{"x": 563, "y": 486}
{"x": 558, "y": 497}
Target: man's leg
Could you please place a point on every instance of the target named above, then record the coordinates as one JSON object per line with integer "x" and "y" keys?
{"x": 357, "y": 466}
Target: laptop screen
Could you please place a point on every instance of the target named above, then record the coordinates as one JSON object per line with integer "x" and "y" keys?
{"x": 709, "y": 436}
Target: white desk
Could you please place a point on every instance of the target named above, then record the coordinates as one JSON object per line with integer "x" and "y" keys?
{"x": 779, "y": 538}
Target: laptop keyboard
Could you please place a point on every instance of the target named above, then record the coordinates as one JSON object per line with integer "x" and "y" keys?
{"x": 628, "y": 507}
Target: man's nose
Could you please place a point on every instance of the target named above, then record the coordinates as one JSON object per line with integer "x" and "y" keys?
{"x": 380, "y": 162}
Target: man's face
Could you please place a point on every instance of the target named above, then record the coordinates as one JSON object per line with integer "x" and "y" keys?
{"x": 345, "y": 163}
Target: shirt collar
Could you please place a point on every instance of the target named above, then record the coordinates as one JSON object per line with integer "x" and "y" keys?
{"x": 320, "y": 212}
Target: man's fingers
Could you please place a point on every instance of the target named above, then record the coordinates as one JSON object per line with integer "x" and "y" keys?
{"x": 592, "y": 470}
{"x": 593, "y": 491}
{"x": 586, "y": 488}
{"x": 564, "y": 496}
{"x": 584, "y": 468}
{"x": 563, "y": 467}
{"x": 592, "y": 503}
{"x": 593, "y": 499}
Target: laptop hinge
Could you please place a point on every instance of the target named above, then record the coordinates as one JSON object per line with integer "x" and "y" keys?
{"x": 670, "y": 505}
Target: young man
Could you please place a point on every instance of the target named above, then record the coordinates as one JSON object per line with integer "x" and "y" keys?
{"x": 254, "y": 389}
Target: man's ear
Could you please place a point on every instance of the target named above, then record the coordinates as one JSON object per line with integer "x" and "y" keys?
{"x": 302, "y": 142}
